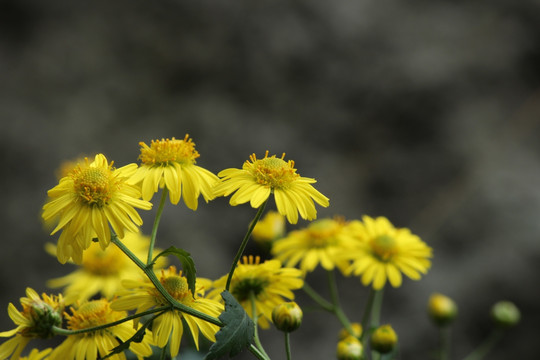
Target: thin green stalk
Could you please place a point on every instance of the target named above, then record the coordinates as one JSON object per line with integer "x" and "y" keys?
{"x": 163, "y": 355}
{"x": 153, "y": 278}
{"x": 256, "y": 326}
{"x": 164, "y": 193}
{"x": 444, "y": 340}
{"x": 482, "y": 350}
{"x": 258, "y": 354}
{"x": 326, "y": 305}
{"x": 376, "y": 310}
{"x": 288, "y": 345}
{"x": 367, "y": 313}
{"x": 244, "y": 243}
{"x": 66, "y": 332}
{"x": 338, "y": 311}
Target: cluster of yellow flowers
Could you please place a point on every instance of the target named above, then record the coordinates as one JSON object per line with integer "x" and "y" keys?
{"x": 95, "y": 204}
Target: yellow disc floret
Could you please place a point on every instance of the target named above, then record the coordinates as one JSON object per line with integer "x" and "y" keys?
{"x": 161, "y": 152}
{"x": 93, "y": 185}
{"x": 273, "y": 172}
{"x": 383, "y": 246}
{"x": 92, "y": 313}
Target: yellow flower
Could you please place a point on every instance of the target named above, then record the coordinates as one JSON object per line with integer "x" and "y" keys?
{"x": 143, "y": 296}
{"x": 36, "y": 319}
{"x": 259, "y": 178}
{"x": 36, "y": 354}
{"x": 319, "y": 243}
{"x": 171, "y": 164}
{"x": 269, "y": 228}
{"x": 100, "y": 342}
{"x": 87, "y": 200}
{"x": 102, "y": 271}
{"x": 268, "y": 282}
{"x": 384, "y": 252}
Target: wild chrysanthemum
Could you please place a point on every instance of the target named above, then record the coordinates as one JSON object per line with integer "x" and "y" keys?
{"x": 102, "y": 271}
{"x": 91, "y": 197}
{"x": 35, "y": 320}
{"x": 259, "y": 178}
{"x": 92, "y": 344}
{"x": 319, "y": 243}
{"x": 171, "y": 164}
{"x": 267, "y": 282}
{"x": 169, "y": 326}
{"x": 384, "y": 252}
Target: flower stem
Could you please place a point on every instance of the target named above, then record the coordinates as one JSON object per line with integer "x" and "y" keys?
{"x": 337, "y": 310}
{"x": 288, "y": 344}
{"x": 373, "y": 311}
{"x": 256, "y": 326}
{"x": 244, "y": 243}
{"x": 153, "y": 278}
{"x": 156, "y": 225}
{"x": 444, "y": 340}
{"x": 326, "y": 305}
{"x": 66, "y": 332}
{"x": 367, "y": 313}
{"x": 257, "y": 352}
{"x": 481, "y": 351}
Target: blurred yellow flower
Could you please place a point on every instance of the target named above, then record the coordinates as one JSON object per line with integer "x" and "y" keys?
{"x": 91, "y": 197}
{"x": 170, "y": 163}
{"x": 269, "y": 228}
{"x": 259, "y": 178}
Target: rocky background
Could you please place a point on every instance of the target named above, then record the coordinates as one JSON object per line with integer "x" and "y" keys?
{"x": 426, "y": 112}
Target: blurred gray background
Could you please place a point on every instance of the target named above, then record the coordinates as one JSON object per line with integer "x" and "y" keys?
{"x": 426, "y": 112}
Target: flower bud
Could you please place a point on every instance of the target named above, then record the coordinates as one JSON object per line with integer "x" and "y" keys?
{"x": 356, "y": 331}
{"x": 44, "y": 317}
{"x": 268, "y": 229}
{"x": 384, "y": 339}
{"x": 505, "y": 314}
{"x": 287, "y": 316}
{"x": 350, "y": 348}
{"x": 441, "y": 309}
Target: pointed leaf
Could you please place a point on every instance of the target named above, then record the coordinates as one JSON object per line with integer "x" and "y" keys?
{"x": 237, "y": 332}
{"x": 188, "y": 266}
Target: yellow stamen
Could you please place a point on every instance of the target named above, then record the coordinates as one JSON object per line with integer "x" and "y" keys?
{"x": 92, "y": 313}
{"x": 272, "y": 171}
{"x": 93, "y": 185}
{"x": 164, "y": 151}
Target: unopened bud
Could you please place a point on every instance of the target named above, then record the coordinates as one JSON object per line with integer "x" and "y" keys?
{"x": 505, "y": 314}
{"x": 384, "y": 339}
{"x": 356, "y": 329}
{"x": 287, "y": 316}
{"x": 44, "y": 317}
{"x": 441, "y": 309}
{"x": 350, "y": 348}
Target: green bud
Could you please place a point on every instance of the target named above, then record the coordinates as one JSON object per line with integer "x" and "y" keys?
{"x": 384, "y": 339}
{"x": 441, "y": 309}
{"x": 356, "y": 331}
{"x": 44, "y": 317}
{"x": 350, "y": 348}
{"x": 287, "y": 316}
{"x": 505, "y": 314}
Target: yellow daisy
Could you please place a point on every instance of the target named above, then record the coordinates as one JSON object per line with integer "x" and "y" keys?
{"x": 89, "y": 345}
{"x": 259, "y": 178}
{"x": 171, "y": 164}
{"x": 102, "y": 271}
{"x": 269, "y": 228}
{"x": 268, "y": 282}
{"x": 169, "y": 326}
{"x": 319, "y": 243}
{"x": 93, "y": 195}
{"x": 39, "y": 314}
{"x": 384, "y": 252}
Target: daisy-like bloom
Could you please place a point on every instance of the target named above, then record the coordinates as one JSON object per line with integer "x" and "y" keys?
{"x": 91, "y": 197}
{"x": 384, "y": 252}
{"x": 268, "y": 229}
{"x": 268, "y": 282}
{"x": 319, "y": 243}
{"x": 169, "y": 326}
{"x": 35, "y": 320}
{"x": 89, "y": 345}
{"x": 259, "y": 178}
{"x": 171, "y": 164}
{"x": 102, "y": 271}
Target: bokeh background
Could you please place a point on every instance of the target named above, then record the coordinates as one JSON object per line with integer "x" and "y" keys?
{"x": 426, "y": 112}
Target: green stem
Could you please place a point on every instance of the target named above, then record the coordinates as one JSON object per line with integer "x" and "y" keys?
{"x": 376, "y": 310}
{"x": 481, "y": 351}
{"x": 326, "y": 305}
{"x": 257, "y": 352}
{"x": 156, "y": 225}
{"x": 288, "y": 345}
{"x": 153, "y": 278}
{"x": 367, "y": 313}
{"x": 444, "y": 340}
{"x": 256, "y": 326}
{"x": 65, "y": 332}
{"x": 338, "y": 311}
{"x": 244, "y": 243}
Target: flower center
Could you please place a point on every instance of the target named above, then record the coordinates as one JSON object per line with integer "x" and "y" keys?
{"x": 103, "y": 262}
{"x": 93, "y": 185}
{"x": 384, "y": 246}
{"x": 245, "y": 287}
{"x": 161, "y": 152}
{"x": 176, "y": 286}
{"x": 322, "y": 233}
{"x": 92, "y": 313}
{"x": 271, "y": 171}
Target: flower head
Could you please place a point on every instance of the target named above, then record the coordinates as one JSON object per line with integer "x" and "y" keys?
{"x": 259, "y": 178}
{"x": 350, "y": 348}
{"x": 442, "y": 309}
{"x": 269, "y": 228}
{"x": 99, "y": 342}
{"x": 264, "y": 285}
{"x": 287, "y": 316}
{"x": 384, "y": 252}
{"x": 170, "y": 163}
{"x": 91, "y": 197}
{"x": 38, "y": 316}
{"x": 319, "y": 243}
{"x": 142, "y": 295}
{"x": 102, "y": 271}
{"x": 384, "y": 339}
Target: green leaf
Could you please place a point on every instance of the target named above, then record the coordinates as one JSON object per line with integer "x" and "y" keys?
{"x": 137, "y": 338}
{"x": 188, "y": 266}
{"x": 237, "y": 332}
